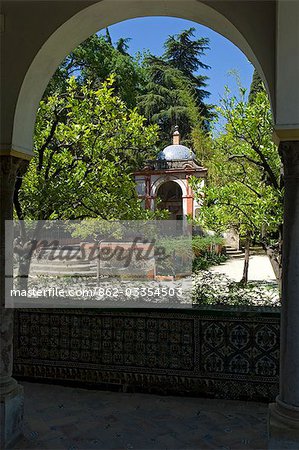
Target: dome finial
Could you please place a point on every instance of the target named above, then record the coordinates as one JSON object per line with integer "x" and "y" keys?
{"x": 176, "y": 136}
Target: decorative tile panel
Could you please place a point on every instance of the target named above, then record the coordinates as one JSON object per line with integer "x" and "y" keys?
{"x": 216, "y": 353}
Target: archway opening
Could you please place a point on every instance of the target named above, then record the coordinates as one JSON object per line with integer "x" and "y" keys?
{"x": 98, "y": 16}
{"x": 178, "y": 207}
{"x": 171, "y": 198}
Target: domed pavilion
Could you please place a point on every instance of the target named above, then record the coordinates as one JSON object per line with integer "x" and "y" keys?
{"x": 167, "y": 178}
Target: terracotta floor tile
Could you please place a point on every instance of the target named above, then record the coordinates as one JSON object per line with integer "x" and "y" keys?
{"x": 58, "y": 417}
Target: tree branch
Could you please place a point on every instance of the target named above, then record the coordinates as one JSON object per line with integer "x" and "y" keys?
{"x": 257, "y": 163}
{"x": 46, "y": 143}
{"x": 266, "y": 166}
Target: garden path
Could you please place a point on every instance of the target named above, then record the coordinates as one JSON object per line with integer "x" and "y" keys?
{"x": 260, "y": 268}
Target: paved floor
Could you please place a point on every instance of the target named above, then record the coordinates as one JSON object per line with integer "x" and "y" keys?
{"x": 59, "y": 417}
{"x": 259, "y": 268}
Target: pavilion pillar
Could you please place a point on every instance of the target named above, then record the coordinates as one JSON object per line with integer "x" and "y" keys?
{"x": 11, "y": 393}
{"x": 185, "y": 211}
{"x": 284, "y": 414}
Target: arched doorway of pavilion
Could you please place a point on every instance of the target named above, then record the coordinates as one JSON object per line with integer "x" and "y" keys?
{"x": 170, "y": 197}
{"x": 164, "y": 182}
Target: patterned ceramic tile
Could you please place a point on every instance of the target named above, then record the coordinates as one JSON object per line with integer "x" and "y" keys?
{"x": 220, "y": 354}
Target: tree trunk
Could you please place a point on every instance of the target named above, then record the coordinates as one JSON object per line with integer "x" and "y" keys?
{"x": 275, "y": 262}
{"x": 98, "y": 263}
{"x": 274, "y": 253}
{"x": 25, "y": 249}
{"x": 98, "y": 270}
{"x": 23, "y": 273}
{"x": 244, "y": 279}
{"x": 24, "y": 253}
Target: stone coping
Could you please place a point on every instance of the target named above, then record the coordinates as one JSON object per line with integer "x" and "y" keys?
{"x": 217, "y": 310}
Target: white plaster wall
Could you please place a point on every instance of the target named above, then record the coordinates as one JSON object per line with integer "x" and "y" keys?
{"x": 287, "y": 65}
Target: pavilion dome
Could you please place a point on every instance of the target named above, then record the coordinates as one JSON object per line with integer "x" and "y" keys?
{"x": 175, "y": 152}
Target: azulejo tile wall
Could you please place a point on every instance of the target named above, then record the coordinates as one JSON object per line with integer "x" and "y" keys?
{"x": 225, "y": 354}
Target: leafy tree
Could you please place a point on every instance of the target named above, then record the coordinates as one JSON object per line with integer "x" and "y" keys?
{"x": 184, "y": 54}
{"x": 173, "y": 86}
{"x": 244, "y": 189}
{"x": 87, "y": 144}
{"x": 108, "y": 38}
{"x": 202, "y": 144}
{"x": 164, "y": 100}
{"x": 94, "y": 61}
{"x": 165, "y": 89}
{"x": 122, "y": 46}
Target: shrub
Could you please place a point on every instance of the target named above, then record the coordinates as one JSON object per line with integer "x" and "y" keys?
{"x": 207, "y": 260}
{"x": 204, "y": 244}
{"x": 217, "y": 289}
{"x": 204, "y": 252}
{"x": 182, "y": 246}
{"x": 180, "y": 256}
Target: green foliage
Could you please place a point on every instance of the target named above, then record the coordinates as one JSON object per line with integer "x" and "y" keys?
{"x": 186, "y": 245}
{"x": 256, "y": 86}
{"x": 95, "y": 60}
{"x": 97, "y": 229}
{"x": 201, "y": 250}
{"x": 87, "y": 144}
{"x": 179, "y": 256}
{"x": 206, "y": 260}
{"x": 217, "y": 289}
{"x": 184, "y": 53}
{"x": 243, "y": 189}
{"x": 202, "y": 145}
{"x": 174, "y": 94}
{"x": 167, "y": 90}
{"x": 180, "y": 245}
{"x": 202, "y": 244}
{"x": 207, "y": 252}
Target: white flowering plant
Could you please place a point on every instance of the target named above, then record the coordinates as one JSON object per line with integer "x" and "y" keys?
{"x": 217, "y": 289}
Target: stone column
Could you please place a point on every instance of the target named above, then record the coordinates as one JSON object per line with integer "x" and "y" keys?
{"x": 11, "y": 394}
{"x": 185, "y": 211}
{"x": 284, "y": 414}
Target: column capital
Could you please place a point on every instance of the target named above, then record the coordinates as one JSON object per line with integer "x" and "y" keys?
{"x": 10, "y": 165}
{"x": 10, "y": 150}
{"x": 285, "y": 134}
{"x": 289, "y": 151}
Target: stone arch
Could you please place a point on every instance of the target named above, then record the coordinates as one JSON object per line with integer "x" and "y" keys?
{"x": 97, "y": 16}
{"x": 162, "y": 180}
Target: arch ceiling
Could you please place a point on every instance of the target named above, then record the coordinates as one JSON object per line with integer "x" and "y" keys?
{"x": 107, "y": 12}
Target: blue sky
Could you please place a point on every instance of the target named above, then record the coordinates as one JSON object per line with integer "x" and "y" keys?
{"x": 149, "y": 33}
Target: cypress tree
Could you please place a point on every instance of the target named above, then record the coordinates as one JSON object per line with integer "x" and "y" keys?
{"x": 256, "y": 86}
